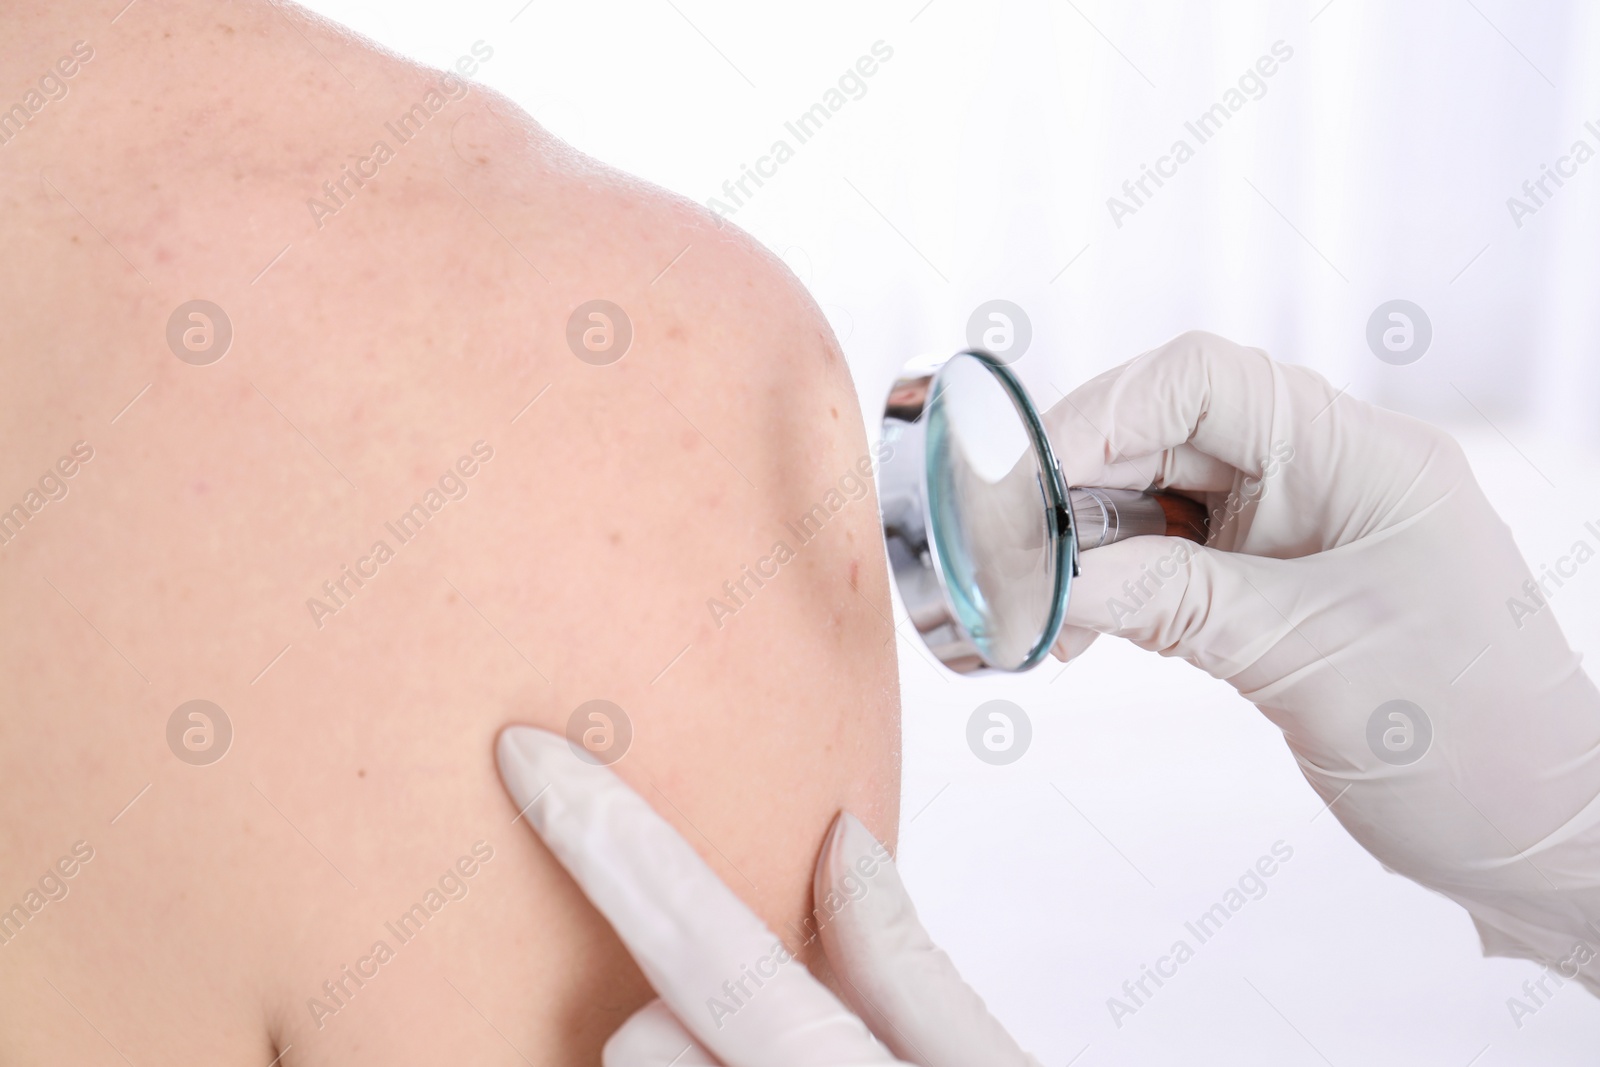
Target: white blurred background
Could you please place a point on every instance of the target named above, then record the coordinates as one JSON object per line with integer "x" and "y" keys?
{"x": 1376, "y": 164}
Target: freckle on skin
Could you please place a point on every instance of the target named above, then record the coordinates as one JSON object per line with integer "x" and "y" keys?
{"x": 834, "y": 412}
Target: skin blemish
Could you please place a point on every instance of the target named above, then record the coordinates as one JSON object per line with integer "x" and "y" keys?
{"x": 361, "y": 773}
{"x": 855, "y": 573}
{"x": 834, "y": 412}
{"x": 615, "y": 537}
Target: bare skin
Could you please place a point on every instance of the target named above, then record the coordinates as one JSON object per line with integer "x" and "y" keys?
{"x": 380, "y": 349}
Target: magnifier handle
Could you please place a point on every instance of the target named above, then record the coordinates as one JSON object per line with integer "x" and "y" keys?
{"x": 1105, "y": 516}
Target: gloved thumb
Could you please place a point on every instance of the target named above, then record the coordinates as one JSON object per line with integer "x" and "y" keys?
{"x": 892, "y": 974}
{"x": 1178, "y": 598}
{"x": 1072, "y": 642}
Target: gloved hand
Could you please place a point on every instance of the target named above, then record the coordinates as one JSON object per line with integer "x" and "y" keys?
{"x": 731, "y": 992}
{"x": 1354, "y": 563}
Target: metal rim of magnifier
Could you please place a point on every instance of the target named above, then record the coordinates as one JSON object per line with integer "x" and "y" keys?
{"x": 908, "y": 528}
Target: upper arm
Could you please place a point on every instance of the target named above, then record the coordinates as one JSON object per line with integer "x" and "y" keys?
{"x": 732, "y": 597}
{"x": 691, "y": 534}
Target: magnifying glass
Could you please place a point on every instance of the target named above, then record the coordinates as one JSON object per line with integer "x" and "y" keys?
{"x": 982, "y": 529}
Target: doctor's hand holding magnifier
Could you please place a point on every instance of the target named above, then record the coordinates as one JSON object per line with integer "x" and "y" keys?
{"x": 1354, "y": 587}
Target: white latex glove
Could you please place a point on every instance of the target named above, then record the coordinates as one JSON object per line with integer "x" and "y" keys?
{"x": 696, "y": 942}
{"x": 1363, "y": 565}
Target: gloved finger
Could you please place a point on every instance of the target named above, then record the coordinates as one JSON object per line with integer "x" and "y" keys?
{"x": 1232, "y": 403}
{"x": 1184, "y": 467}
{"x": 729, "y": 980}
{"x": 892, "y": 974}
{"x": 653, "y": 1037}
{"x": 1072, "y": 642}
{"x": 1182, "y": 599}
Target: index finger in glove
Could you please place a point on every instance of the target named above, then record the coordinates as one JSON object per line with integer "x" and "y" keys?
{"x": 725, "y": 976}
{"x": 1233, "y": 404}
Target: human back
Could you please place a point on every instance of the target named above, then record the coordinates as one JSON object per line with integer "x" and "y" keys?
{"x": 397, "y": 352}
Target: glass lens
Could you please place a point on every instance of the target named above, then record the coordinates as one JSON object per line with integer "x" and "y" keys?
{"x": 989, "y": 515}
